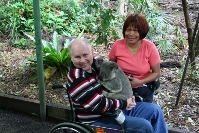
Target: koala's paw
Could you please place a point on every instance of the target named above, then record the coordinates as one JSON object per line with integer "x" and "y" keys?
{"x": 104, "y": 93}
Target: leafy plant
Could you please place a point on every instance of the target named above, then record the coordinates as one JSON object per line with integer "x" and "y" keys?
{"x": 107, "y": 21}
{"x": 53, "y": 58}
{"x": 11, "y": 19}
{"x": 21, "y": 43}
{"x": 191, "y": 75}
{"x": 180, "y": 41}
{"x": 165, "y": 46}
{"x": 103, "y": 30}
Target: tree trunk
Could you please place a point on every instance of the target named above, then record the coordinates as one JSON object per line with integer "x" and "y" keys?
{"x": 122, "y": 7}
{"x": 196, "y": 37}
{"x": 190, "y": 33}
{"x": 196, "y": 43}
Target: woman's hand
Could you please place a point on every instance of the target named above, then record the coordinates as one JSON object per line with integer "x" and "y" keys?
{"x": 130, "y": 103}
{"x": 135, "y": 82}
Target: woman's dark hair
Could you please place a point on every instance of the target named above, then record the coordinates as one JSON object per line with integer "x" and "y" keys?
{"x": 139, "y": 22}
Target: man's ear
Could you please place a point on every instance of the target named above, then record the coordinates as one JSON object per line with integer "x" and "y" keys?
{"x": 92, "y": 52}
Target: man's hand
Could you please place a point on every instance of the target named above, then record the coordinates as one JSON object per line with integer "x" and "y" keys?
{"x": 130, "y": 103}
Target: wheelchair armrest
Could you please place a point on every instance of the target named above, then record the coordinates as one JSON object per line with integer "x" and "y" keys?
{"x": 79, "y": 109}
{"x": 107, "y": 113}
{"x": 111, "y": 113}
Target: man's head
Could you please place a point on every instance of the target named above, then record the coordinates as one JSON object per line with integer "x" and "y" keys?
{"x": 81, "y": 54}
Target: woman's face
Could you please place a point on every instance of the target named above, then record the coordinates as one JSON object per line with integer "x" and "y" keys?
{"x": 132, "y": 35}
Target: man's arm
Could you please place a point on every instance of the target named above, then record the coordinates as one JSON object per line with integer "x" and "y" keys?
{"x": 90, "y": 97}
{"x": 88, "y": 94}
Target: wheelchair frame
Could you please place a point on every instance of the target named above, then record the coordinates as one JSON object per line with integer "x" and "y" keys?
{"x": 74, "y": 126}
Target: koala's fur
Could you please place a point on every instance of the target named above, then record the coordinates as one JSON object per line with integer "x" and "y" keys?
{"x": 113, "y": 79}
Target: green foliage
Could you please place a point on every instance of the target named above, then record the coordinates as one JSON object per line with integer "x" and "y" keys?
{"x": 191, "y": 74}
{"x": 165, "y": 46}
{"x": 21, "y": 43}
{"x": 179, "y": 41}
{"x": 162, "y": 32}
{"x": 107, "y": 21}
{"x": 53, "y": 58}
{"x": 67, "y": 17}
{"x": 10, "y": 19}
{"x": 77, "y": 18}
{"x": 103, "y": 31}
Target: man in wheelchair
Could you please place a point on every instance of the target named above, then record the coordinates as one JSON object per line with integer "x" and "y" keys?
{"x": 86, "y": 92}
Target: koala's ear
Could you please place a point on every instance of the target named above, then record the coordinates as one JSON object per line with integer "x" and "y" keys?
{"x": 98, "y": 61}
{"x": 114, "y": 65}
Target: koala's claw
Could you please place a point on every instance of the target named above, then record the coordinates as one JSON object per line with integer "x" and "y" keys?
{"x": 104, "y": 92}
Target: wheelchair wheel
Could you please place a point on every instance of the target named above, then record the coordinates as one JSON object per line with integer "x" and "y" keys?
{"x": 68, "y": 127}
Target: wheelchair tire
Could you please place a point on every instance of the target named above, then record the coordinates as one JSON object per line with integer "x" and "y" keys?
{"x": 69, "y": 127}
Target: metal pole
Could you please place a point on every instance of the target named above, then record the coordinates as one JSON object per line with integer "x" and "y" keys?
{"x": 40, "y": 71}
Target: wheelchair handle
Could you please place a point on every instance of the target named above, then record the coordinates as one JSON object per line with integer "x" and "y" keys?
{"x": 58, "y": 86}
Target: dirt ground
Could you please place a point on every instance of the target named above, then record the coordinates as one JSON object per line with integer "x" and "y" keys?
{"x": 15, "y": 122}
{"x": 16, "y": 80}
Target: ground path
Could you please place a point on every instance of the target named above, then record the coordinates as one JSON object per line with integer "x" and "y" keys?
{"x": 15, "y": 122}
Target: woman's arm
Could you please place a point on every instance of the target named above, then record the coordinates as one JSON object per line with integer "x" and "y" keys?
{"x": 154, "y": 75}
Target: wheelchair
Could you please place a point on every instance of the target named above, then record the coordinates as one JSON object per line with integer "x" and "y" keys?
{"x": 74, "y": 126}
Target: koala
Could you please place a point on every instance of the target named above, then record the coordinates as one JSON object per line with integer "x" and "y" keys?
{"x": 113, "y": 79}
